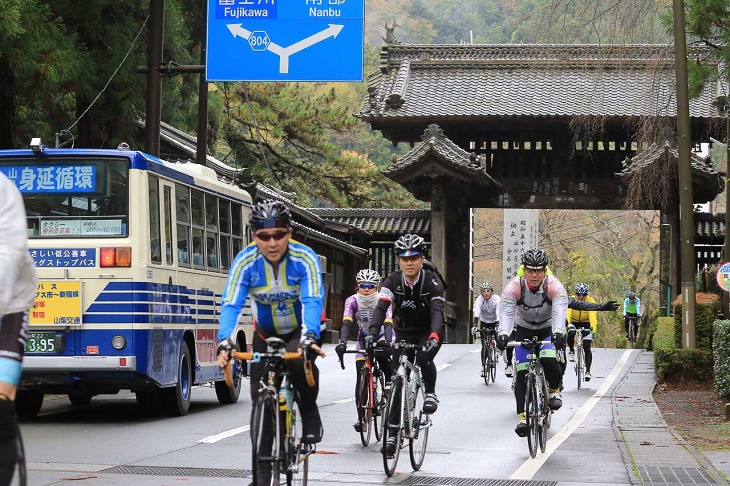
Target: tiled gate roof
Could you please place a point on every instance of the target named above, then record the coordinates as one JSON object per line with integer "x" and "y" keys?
{"x": 468, "y": 82}
{"x": 380, "y": 222}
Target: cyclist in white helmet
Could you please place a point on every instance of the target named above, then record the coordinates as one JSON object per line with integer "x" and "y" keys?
{"x": 359, "y": 309}
{"x": 486, "y": 318}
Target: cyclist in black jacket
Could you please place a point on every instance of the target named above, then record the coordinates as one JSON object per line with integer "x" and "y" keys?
{"x": 417, "y": 295}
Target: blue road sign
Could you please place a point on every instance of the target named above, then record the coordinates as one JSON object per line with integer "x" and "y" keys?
{"x": 285, "y": 40}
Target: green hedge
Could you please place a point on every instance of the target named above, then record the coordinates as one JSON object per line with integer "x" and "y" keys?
{"x": 672, "y": 363}
{"x": 664, "y": 333}
{"x": 721, "y": 353}
{"x": 707, "y": 306}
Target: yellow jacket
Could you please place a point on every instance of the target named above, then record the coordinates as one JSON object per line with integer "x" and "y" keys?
{"x": 577, "y": 317}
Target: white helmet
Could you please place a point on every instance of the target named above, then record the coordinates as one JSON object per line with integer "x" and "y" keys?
{"x": 367, "y": 275}
{"x": 487, "y": 286}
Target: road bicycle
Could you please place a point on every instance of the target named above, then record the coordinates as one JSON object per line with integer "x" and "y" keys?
{"x": 489, "y": 355}
{"x": 404, "y": 417}
{"x": 276, "y": 425}
{"x": 634, "y": 323}
{"x": 371, "y": 394}
{"x": 537, "y": 412}
{"x": 580, "y": 356}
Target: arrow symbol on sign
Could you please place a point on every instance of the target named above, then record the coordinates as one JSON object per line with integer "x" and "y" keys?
{"x": 332, "y": 30}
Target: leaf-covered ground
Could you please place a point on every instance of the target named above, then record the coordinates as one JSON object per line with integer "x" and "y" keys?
{"x": 696, "y": 412}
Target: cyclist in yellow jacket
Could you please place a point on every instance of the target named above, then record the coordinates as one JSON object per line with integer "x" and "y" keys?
{"x": 588, "y": 320}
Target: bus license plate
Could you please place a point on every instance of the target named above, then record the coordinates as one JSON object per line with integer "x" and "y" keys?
{"x": 41, "y": 342}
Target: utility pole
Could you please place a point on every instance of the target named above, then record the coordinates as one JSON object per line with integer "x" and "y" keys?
{"x": 202, "y": 141}
{"x": 686, "y": 214}
{"x": 154, "y": 81}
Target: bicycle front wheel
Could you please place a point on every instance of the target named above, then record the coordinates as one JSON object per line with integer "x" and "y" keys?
{"x": 580, "y": 364}
{"x": 265, "y": 450}
{"x": 418, "y": 435}
{"x": 492, "y": 361}
{"x": 393, "y": 425}
{"x": 378, "y": 405}
{"x": 485, "y": 363}
{"x": 544, "y": 409}
{"x": 297, "y": 467}
{"x": 532, "y": 414}
{"x": 364, "y": 408}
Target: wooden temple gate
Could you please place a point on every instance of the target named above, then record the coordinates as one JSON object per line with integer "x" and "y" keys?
{"x": 528, "y": 126}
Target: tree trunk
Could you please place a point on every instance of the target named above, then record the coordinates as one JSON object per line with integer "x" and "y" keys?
{"x": 7, "y": 107}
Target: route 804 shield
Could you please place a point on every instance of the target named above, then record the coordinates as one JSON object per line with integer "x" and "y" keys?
{"x": 285, "y": 40}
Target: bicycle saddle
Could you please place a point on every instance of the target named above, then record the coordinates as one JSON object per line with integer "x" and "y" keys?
{"x": 275, "y": 342}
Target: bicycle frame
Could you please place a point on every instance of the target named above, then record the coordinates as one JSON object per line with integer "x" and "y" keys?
{"x": 371, "y": 369}
{"x": 407, "y": 381}
{"x": 489, "y": 354}
{"x": 536, "y": 374}
{"x": 580, "y": 358}
{"x": 287, "y": 452}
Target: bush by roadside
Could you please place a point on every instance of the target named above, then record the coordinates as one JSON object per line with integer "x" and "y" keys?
{"x": 721, "y": 355}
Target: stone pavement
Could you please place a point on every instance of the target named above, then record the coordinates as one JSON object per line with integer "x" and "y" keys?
{"x": 657, "y": 455}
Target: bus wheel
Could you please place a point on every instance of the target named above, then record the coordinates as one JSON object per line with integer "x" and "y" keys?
{"x": 28, "y": 403}
{"x": 80, "y": 398}
{"x": 177, "y": 398}
{"x": 230, "y": 395}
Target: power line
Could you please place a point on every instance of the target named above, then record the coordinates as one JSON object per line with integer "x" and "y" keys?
{"x": 68, "y": 130}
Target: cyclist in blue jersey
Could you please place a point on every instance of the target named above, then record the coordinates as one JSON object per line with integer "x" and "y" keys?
{"x": 283, "y": 278}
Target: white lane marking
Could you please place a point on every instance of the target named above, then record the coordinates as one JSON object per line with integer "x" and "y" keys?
{"x": 344, "y": 400}
{"x": 224, "y": 435}
{"x": 528, "y": 469}
{"x": 443, "y": 366}
{"x": 475, "y": 350}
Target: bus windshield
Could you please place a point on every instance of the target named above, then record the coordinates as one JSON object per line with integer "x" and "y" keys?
{"x": 72, "y": 198}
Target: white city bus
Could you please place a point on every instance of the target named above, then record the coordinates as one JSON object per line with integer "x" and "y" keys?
{"x": 132, "y": 255}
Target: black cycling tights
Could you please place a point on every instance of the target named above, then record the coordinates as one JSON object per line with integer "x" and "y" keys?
{"x": 8, "y": 440}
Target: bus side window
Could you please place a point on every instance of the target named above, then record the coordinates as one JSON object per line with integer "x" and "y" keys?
{"x": 211, "y": 231}
{"x": 182, "y": 207}
{"x": 155, "y": 233}
{"x": 236, "y": 229}
{"x": 197, "y": 211}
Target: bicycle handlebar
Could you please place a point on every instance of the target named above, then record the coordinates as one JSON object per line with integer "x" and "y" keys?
{"x": 527, "y": 343}
{"x": 256, "y": 357}
{"x": 377, "y": 349}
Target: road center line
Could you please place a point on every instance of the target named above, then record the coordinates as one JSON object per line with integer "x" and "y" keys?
{"x": 443, "y": 366}
{"x": 224, "y": 435}
{"x": 528, "y": 469}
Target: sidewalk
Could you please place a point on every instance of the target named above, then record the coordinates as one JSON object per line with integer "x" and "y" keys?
{"x": 659, "y": 456}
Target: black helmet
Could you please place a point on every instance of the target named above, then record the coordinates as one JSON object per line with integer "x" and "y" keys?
{"x": 269, "y": 214}
{"x": 581, "y": 289}
{"x": 631, "y": 295}
{"x": 535, "y": 259}
{"x": 409, "y": 244}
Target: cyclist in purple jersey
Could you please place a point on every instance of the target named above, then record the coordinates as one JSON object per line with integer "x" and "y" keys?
{"x": 359, "y": 309}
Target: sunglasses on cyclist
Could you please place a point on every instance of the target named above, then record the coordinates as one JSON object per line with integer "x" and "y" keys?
{"x": 581, "y": 295}
{"x": 410, "y": 258}
{"x": 278, "y": 236}
{"x": 365, "y": 286}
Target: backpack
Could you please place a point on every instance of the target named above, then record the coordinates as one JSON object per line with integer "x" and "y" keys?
{"x": 430, "y": 266}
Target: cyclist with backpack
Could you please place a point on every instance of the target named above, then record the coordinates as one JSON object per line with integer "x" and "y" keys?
{"x": 359, "y": 309}
{"x": 536, "y": 305}
{"x": 588, "y": 320}
{"x": 417, "y": 296}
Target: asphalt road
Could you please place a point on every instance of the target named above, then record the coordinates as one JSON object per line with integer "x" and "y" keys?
{"x": 110, "y": 442}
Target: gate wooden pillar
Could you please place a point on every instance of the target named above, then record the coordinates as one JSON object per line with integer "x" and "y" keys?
{"x": 450, "y": 253}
